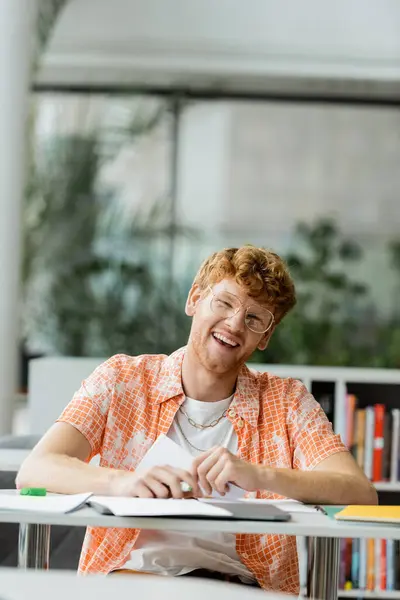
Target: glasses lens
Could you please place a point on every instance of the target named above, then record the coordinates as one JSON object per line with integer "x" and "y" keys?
{"x": 224, "y": 304}
{"x": 258, "y": 320}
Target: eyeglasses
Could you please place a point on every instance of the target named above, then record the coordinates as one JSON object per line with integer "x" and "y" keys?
{"x": 227, "y": 305}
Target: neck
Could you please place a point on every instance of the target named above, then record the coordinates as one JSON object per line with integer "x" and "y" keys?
{"x": 204, "y": 385}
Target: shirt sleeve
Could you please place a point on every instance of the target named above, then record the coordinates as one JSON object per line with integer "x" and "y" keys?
{"x": 311, "y": 435}
{"x": 88, "y": 409}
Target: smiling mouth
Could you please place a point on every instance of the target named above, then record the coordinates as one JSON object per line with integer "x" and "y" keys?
{"x": 224, "y": 341}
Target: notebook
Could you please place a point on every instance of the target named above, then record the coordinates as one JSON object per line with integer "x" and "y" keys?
{"x": 51, "y": 503}
{"x": 373, "y": 514}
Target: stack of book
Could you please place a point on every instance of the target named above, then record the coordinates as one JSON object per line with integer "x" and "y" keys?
{"x": 372, "y": 565}
{"x": 373, "y": 437}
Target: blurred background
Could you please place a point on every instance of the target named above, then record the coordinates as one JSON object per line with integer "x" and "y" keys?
{"x": 158, "y": 132}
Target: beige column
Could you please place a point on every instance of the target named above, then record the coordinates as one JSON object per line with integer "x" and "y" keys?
{"x": 203, "y": 181}
{"x": 16, "y": 52}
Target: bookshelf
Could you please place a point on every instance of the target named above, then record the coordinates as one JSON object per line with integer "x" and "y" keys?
{"x": 333, "y": 387}
{"x": 387, "y": 486}
{"x": 395, "y": 595}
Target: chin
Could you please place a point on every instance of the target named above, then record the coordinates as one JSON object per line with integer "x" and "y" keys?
{"x": 212, "y": 360}
{"x": 218, "y": 365}
{"x": 218, "y": 368}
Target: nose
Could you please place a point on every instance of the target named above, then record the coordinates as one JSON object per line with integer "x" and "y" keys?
{"x": 237, "y": 321}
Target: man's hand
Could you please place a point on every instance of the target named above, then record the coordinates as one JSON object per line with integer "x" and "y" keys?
{"x": 157, "y": 482}
{"x": 218, "y": 467}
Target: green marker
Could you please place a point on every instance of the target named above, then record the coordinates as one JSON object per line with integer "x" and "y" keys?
{"x": 27, "y": 491}
{"x": 185, "y": 487}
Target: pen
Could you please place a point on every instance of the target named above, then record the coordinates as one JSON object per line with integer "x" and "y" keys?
{"x": 321, "y": 509}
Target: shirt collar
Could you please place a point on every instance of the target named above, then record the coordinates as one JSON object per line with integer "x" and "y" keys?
{"x": 170, "y": 378}
{"x": 245, "y": 400}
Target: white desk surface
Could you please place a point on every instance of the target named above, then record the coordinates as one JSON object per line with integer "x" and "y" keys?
{"x": 16, "y": 584}
{"x": 301, "y": 524}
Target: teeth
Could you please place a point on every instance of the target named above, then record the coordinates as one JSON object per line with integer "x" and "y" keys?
{"x": 224, "y": 339}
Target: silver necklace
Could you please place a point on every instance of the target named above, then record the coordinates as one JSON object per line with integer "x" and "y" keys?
{"x": 199, "y": 425}
{"x": 190, "y": 443}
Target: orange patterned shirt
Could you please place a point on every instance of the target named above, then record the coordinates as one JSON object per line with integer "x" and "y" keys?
{"x": 127, "y": 402}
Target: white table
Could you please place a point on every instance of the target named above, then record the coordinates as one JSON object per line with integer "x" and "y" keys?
{"x": 322, "y": 532}
{"x": 17, "y": 585}
{"x": 304, "y": 524}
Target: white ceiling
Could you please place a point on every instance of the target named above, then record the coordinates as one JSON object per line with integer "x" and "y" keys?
{"x": 350, "y": 46}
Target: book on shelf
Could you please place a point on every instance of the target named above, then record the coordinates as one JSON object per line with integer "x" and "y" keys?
{"x": 362, "y": 565}
{"x": 355, "y": 563}
{"x": 373, "y": 437}
{"x": 372, "y": 434}
{"x": 372, "y": 565}
{"x": 395, "y": 446}
{"x": 369, "y": 441}
{"x": 382, "y": 565}
{"x": 390, "y": 561}
{"x": 387, "y": 446}
{"x": 350, "y": 419}
{"x": 377, "y": 454}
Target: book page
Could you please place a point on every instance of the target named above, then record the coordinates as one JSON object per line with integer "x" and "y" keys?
{"x": 51, "y": 503}
{"x": 157, "y": 507}
{"x": 165, "y": 451}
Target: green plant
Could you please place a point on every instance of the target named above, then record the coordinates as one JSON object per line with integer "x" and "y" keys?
{"x": 389, "y": 336}
{"x": 323, "y": 328}
{"x": 97, "y": 278}
{"x": 334, "y": 322}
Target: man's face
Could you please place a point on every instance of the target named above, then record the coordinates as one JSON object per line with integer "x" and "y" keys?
{"x": 238, "y": 343}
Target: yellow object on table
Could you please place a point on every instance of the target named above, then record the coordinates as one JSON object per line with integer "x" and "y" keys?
{"x": 373, "y": 514}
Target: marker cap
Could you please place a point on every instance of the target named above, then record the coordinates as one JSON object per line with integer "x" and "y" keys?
{"x": 27, "y": 491}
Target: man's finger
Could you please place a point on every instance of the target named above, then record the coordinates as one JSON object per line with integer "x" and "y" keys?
{"x": 222, "y": 480}
{"x": 214, "y": 475}
{"x": 142, "y": 491}
{"x": 158, "y": 488}
{"x": 203, "y": 470}
{"x": 191, "y": 481}
{"x": 199, "y": 459}
{"x": 169, "y": 477}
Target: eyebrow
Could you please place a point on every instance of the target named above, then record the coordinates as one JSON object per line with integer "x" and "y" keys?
{"x": 255, "y": 303}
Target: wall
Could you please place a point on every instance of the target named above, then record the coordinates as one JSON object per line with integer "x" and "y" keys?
{"x": 229, "y": 44}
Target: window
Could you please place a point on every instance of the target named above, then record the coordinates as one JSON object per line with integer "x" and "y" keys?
{"x": 114, "y": 234}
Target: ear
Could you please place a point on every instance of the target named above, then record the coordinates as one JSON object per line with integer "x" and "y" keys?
{"x": 266, "y": 338}
{"x": 193, "y": 299}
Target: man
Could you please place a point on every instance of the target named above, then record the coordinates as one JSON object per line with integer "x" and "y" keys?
{"x": 265, "y": 434}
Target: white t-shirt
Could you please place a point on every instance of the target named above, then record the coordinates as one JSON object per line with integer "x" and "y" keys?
{"x": 177, "y": 552}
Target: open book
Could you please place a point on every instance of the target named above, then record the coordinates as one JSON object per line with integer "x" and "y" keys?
{"x": 144, "y": 507}
{"x": 243, "y": 509}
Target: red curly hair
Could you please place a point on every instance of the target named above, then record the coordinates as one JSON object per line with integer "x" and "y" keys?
{"x": 261, "y": 272}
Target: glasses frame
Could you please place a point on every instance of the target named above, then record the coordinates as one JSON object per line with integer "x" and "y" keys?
{"x": 246, "y": 311}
